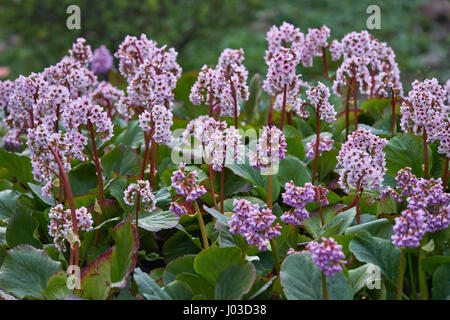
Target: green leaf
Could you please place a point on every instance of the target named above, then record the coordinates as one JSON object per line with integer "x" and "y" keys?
{"x": 132, "y": 136}
{"x": 82, "y": 178}
{"x": 339, "y": 223}
{"x": 182, "y": 264}
{"x": 57, "y": 286}
{"x": 314, "y": 224}
{"x": 291, "y": 168}
{"x": 179, "y": 290}
{"x": 9, "y": 200}
{"x": 406, "y": 150}
{"x": 327, "y": 163}
{"x": 124, "y": 255}
{"x": 380, "y": 252}
{"x": 159, "y": 220}
{"x": 235, "y": 281}
{"x": 148, "y": 287}
{"x": 301, "y": 279}
{"x": 96, "y": 277}
{"x": 381, "y": 228}
{"x": 362, "y": 276}
{"x": 22, "y": 229}
{"x": 17, "y": 166}
{"x": 26, "y": 270}
{"x": 197, "y": 283}
{"x": 111, "y": 268}
{"x": 122, "y": 161}
{"x": 38, "y": 191}
{"x": 253, "y": 176}
{"x": 179, "y": 245}
{"x": 212, "y": 261}
{"x": 374, "y": 107}
{"x": 430, "y": 264}
{"x": 441, "y": 283}
{"x": 252, "y": 104}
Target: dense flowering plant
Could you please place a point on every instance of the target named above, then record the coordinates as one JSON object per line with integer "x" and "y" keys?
{"x": 141, "y": 176}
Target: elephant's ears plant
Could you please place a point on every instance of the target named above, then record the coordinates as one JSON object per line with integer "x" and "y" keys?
{"x": 147, "y": 183}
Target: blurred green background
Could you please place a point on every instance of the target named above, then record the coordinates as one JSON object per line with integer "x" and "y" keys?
{"x": 33, "y": 33}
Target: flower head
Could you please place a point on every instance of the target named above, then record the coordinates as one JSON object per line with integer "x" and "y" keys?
{"x": 363, "y": 160}
{"x": 255, "y": 225}
{"x": 146, "y": 197}
{"x": 325, "y": 144}
{"x": 327, "y": 255}
{"x": 271, "y": 149}
{"x": 102, "y": 60}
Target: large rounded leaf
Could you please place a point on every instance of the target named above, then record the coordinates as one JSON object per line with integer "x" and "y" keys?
{"x": 380, "y": 252}
{"x": 406, "y": 150}
{"x": 212, "y": 261}
{"x": 235, "y": 281}
{"x": 159, "y": 220}
{"x": 302, "y": 280}
{"x": 26, "y": 270}
{"x": 441, "y": 283}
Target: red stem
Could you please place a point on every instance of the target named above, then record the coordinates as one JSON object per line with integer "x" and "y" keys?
{"x": 316, "y": 154}
{"x": 270, "y": 113}
{"x": 324, "y": 56}
{"x": 373, "y": 84}
{"x": 138, "y": 197}
{"x": 358, "y": 186}
{"x": 425, "y": 153}
{"x": 99, "y": 178}
{"x": 355, "y": 102}
{"x": 68, "y": 192}
{"x": 221, "y": 189}
{"x": 213, "y": 194}
{"x": 393, "y": 112}
{"x": 283, "y": 110}
{"x": 445, "y": 180}
{"x": 347, "y": 112}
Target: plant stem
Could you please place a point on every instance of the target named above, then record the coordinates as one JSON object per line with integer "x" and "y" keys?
{"x": 355, "y": 103}
{"x": 222, "y": 175}
{"x": 324, "y": 56}
{"x": 270, "y": 112}
{"x": 347, "y": 111}
{"x": 316, "y": 153}
{"x": 358, "y": 218}
{"x": 401, "y": 274}
{"x": 411, "y": 276}
{"x": 324, "y": 287}
{"x": 213, "y": 194}
{"x": 423, "y": 287}
{"x": 320, "y": 208}
{"x": 445, "y": 179}
{"x": 202, "y": 225}
{"x": 99, "y": 179}
{"x": 68, "y": 192}
{"x": 283, "y": 110}
{"x": 269, "y": 191}
{"x": 275, "y": 255}
{"x": 425, "y": 154}
{"x": 138, "y": 197}
{"x": 295, "y": 230}
{"x": 244, "y": 252}
{"x": 152, "y": 161}
{"x": 393, "y": 112}
{"x": 373, "y": 83}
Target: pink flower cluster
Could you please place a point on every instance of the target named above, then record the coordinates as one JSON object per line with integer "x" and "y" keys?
{"x": 327, "y": 255}
{"x": 41, "y": 141}
{"x": 424, "y": 108}
{"x": 186, "y": 186}
{"x": 152, "y": 72}
{"x": 160, "y": 119}
{"x": 255, "y": 225}
{"x": 369, "y": 61}
{"x": 363, "y": 161}
{"x": 146, "y": 197}
{"x": 61, "y": 224}
{"x": 102, "y": 60}
{"x": 306, "y": 47}
{"x": 428, "y": 207}
{"x": 224, "y": 85}
{"x": 298, "y": 198}
{"x": 271, "y": 149}
{"x": 318, "y": 96}
{"x": 82, "y": 111}
{"x": 325, "y": 144}
{"x": 224, "y": 147}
